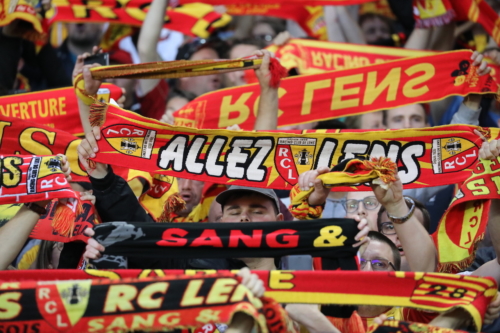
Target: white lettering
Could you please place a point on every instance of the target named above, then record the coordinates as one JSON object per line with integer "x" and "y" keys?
{"x": 194, "y": 151}
{"x": 256, "y": 171}
{"x": 236, "y": 157}
{"x": 173, "y": 153}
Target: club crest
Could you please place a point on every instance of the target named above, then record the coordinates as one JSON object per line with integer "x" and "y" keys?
{"x": 294, "y": 156}
{"x": 453, "y": 154}
{"x": 63, "y": 304}
{"x": 130, "y": 140}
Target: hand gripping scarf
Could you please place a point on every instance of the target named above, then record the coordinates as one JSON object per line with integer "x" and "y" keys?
{"x": 394, "y": 326}
{"x": 56, "y": 108}
{"x": 349, "y": 92}
{"x": 36, "y": 178}
{"x": 427, "y": 291}
{"x": 276, "y": 159}
{"x": 464, "y": 223}
{"x": 331, "y": 238}
{"x": 151, "y": 304}
{"x": 197, "y": 19}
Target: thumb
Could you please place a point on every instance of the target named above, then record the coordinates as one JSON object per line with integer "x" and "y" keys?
{"x": 318, "y": 184}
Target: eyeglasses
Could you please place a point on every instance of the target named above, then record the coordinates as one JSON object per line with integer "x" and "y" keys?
{"x": 264, "y": 37}
{"x": 387, "y": 228}
{"x": 370, "y": 203}
{"x": 377, "y": 264}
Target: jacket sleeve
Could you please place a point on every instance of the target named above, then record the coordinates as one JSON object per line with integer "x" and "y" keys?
{"x": 115, "y": 200}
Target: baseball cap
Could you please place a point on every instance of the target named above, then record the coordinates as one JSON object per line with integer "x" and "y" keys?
{"x": 232, "y": 190}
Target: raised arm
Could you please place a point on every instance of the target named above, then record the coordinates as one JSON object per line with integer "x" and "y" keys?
{"x": 148, "y": 39}
{"x": 416, "y": 242}
{"x": 267, "y": 114}
{"x": 91, "y": 87}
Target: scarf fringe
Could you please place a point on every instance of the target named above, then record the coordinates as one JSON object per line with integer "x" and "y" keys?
{"x": 383, "y": 166}
{"x": 459, "y": 266}
{"x": 64, "y": 217}
{"x": 437, "y": 21}
{"x": 173, "y": 205}
{"x": 277, "y": 72}
{"x": 97, "y": 115}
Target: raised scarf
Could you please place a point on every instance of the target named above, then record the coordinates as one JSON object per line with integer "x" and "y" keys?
{"x": 198, "y": 19}
{"x": 429, "y": 13}
{"x": 432, "y": 13}
{"x": 276, "y": 159}
{"x": 310, "y": 18}
{"x": 85, "y": 218}
{"x": 30, "y": 138}
{"x": 330, "y": 238}
{"x": 55, "y": 108}
{"x": 349, "y": 92}
{"x": 315, "y": 56}
{"x": 427, "y": 291}
{"x": 37, "y": 178}
{"x": 173, "y": 302}
{"x": 391, "y": 326}
{"x": 464, "y": 223}
{"x": 174, "y": 69}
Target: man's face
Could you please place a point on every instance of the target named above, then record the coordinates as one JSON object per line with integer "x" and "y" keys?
{"x": 199, "y": 85}
{"x": 84, "y": 33}
{"x": 375, "y": 29}
{"x": 373, "y": 120}
{"x": 409, "y": 116}
{"x": 237, "y": 78}
{"x": 190, "y": 191}
{"x": 367, "y": 209}
{"x": 377, "y": 251}
{"x": 250, "y": 208}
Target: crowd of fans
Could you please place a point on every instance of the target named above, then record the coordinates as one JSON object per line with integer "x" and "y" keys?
{"x": 383, "y": 245}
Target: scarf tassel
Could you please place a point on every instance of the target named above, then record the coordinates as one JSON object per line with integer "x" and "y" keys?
{"x": 173, "y": 205}
{"x": 277, "y": 72}
{"x": 97, "y": 113}
{"x": 383, "y": 166}
{"x": 437, "y": 21}
{"x": 64, "y": 217}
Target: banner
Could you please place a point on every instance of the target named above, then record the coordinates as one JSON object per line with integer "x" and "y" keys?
{"x": 425, "y": 157}
{"x": 191, "y": 19}
{"x": 349, "y": 92}
{"x": 321, "y": 238}
{"x": 464, "y": 223}
{"x": 135, "y": 304}
{"x": 55, "y": 108}
{"x": 427, "y": 291}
